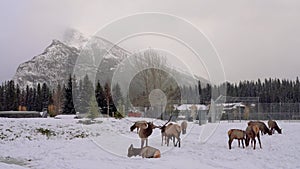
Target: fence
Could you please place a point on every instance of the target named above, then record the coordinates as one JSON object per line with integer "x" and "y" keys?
{"x": 264, "y": 111}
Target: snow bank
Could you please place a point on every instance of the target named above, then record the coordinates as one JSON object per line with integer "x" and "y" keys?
{"x": 106, "y": 144}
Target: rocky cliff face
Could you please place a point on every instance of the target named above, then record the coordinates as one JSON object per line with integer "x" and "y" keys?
{"x": 50, "y": 67}
{"x": 82, "y": 55}
{"x": 57, "y": 62}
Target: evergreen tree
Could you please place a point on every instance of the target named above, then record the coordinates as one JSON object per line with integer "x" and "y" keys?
{"x": 1, "y": 98}
{"x": 45, "y": 96}
{"x": 109, "y": 107}
{"x": 39, "y": 98}
{"x": 87, "y": 90}
{"x": 68, "y": 102}
{"x": 100, "y": 96}
{"x": 17, "y": 98}
{"x": 11, "y": 96}
{"x": 93, "y": 111}
{"x": 200, "y": 92}
{"x": 117, "y": 94}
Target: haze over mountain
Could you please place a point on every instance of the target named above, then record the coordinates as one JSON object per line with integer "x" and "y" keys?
{"x": 60, "y": 59}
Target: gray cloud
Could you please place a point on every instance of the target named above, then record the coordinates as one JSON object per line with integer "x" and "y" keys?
{"x": 255, "y": 39}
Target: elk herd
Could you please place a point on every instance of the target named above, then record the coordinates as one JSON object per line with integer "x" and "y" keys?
{"x": 252, "y": 131}
{"x": 172, "y": 131}
{"x": 169, "y": 131}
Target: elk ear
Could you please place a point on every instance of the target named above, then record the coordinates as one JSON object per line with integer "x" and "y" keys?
{"x": 131, "y": 146}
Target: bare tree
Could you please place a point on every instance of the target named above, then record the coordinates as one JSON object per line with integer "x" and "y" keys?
{"x": 150, "y": 65}
{"x": 152, "y": 73}
{"x": 58, "y": 100}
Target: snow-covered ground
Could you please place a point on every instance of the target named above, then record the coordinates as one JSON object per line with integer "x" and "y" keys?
{"x": 64, "y": 143}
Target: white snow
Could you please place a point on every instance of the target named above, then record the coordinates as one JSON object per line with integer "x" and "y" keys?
{"x": 190, "y": 106}
{"x": 70, "y": 144}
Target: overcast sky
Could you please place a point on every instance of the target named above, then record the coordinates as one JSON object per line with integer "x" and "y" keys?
{"x": 254, "y": 38}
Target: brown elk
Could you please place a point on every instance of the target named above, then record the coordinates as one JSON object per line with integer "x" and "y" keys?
{"x": 173, "y": 132}
{"x": 145, "y": 152}
{"x": 252, "y": 131}
{"x": 163, "y": 129}
{"x": 137, "y": 125}
{"x": 183, "y": 127}
{"x": 262, "y": 127}
{"x": 236, "y": 134}
{"x": 163, "y": 133}
{"x": 145, "y": 130}
{"x": 273, "y": 126}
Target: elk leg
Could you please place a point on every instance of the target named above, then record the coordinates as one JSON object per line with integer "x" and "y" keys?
{"x": 146, "y": 141}
{"x": 142, "y": 143}
{"x": 229, "y": 143}
{"x": 175, "y": 145}
{"x": 168, "y": 140}
{"x": 254, "y": 143}
{"x": 243, "y": 143}
{"x": 258, "y": 137}
{"x": 239, "y": 143}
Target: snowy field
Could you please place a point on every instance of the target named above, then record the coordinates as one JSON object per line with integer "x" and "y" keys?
{"x": 67, "y": 144}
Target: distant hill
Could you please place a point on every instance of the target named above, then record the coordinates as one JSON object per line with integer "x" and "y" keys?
{"x": 58, "y": 60}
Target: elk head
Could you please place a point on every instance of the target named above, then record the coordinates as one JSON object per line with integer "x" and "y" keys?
{"x": 163, "y": 127}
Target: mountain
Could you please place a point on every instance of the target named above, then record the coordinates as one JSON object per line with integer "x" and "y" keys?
{"x": 75, "y": 54}
{"x": 81, "y": 55}
{"x": 74, "y": 38}
{"x": 50, "y": 67}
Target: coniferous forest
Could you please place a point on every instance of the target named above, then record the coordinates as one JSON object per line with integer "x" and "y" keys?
{"x": 60, "y": 99}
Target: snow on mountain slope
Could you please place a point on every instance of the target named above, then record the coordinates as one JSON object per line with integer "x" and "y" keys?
{"x": 57, "y": 61}
{"x": 51, "y": 67}
{"x": 91, "y": 55}
{"x": 74, "y": 38}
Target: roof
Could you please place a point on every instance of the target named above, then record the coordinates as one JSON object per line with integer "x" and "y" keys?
{"x": 190, "y": 106}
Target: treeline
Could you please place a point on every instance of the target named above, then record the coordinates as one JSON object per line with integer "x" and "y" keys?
{"x": 32, "y": 99}
{"x": 268, "y": 91}
{"x": 75, "y": 96}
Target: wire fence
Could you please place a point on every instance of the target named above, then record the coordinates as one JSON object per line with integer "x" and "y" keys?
{"x": 263, "y": 111}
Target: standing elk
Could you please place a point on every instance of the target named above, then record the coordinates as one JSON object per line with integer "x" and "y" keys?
{"x": 236, "y": 134}
{"x": 173, "y": 132}
{"x": 252, "y": 131}
{"x": 137, "y": 125}
{"x": 262, "y": 127}
{"x": 163, "y": 133}
{"x": 145, "y": 130}
{"x": 163, "y": 129}
{"x": 145, "y": 152}
{"x": 170, "y": 131}
{"x": 273, "y": 126}
{"x": 183, "y": 127}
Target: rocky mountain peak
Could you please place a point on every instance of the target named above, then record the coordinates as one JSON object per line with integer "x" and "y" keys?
{"x": 54, "y": 65}
{"x": 74, "y": 38}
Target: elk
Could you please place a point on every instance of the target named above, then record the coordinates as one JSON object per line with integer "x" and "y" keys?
{"x": 236, "y": 134}
{"x": 145, "y": 152}
{"x": 173, "y": 132}
{"x": 163, "y": 129}
{"x": 137, "y": 125}
{"x": 183, "y": 127}
{"x": 145, "y": 130}
{"x": 273, "y": 126}
{"x": 262, "y": 127}
{"x": 163, "y": 133}
{"x": 252, "y": 132}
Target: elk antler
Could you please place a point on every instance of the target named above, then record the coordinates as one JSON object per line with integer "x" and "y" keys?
{"x": 166, "y": 122}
